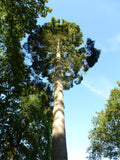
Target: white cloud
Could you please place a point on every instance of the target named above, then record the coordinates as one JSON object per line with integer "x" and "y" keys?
{"x": 91, "y": 88}
{"x": 100, "y": 86}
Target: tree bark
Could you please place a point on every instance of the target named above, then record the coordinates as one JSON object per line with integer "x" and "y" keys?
{"x": 59, "y": 149}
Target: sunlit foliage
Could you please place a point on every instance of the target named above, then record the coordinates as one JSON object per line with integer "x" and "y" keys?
{"x": 105, "y": 135}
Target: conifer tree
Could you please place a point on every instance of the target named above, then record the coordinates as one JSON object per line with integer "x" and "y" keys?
{"x": 56, "y": 54}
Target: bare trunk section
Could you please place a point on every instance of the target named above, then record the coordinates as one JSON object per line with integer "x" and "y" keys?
{"x": 59, "y": 149}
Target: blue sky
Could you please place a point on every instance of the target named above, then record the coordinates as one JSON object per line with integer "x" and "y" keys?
{"x": 98, "y": 20}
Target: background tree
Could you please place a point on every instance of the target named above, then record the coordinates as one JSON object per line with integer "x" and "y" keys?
{"x": 21, "y": 15}
{"x": 25, "y": 119}
{"x": 56, "y": 54}
{"x": 105, "y": 135}
{"x": 18, "y": 18}
{"x": 25, "y": 125}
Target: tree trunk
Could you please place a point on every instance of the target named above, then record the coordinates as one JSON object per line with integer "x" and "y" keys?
{"x": 59, "y": 149}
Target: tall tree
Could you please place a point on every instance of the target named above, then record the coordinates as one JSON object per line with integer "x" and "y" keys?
{"x": 56, "y": 54}
{"x": 105, "y": 135}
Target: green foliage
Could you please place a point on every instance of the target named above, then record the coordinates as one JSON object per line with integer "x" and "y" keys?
{"x": 105, "y": 136}
{"x": 22, "y": 15}
{"x": 26, "y": 126}
{"x": 25, "y": 112}
{"x": 25, "y": 119}
{"x": 42, "y": 44}
{"x": 16, "y": 19}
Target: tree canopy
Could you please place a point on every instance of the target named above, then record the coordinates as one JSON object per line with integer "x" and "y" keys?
{"x": 16, "y": 19}
{"x": 42, "y": 44}
{"x": 21, "y": 15}
{"x": 105, "y": 135}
